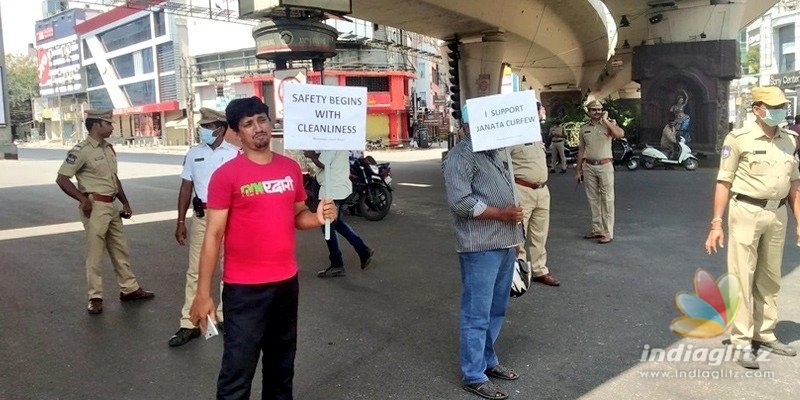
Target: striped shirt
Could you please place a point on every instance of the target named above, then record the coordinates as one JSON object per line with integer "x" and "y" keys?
{"x": 475, "y": 181}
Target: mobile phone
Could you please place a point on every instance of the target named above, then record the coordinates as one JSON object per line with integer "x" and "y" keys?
{"x": 211, "y": 328}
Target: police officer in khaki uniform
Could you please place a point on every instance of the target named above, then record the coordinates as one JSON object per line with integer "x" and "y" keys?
{"x": 557, "y": 137}
{"x": 199, "y": 164}
{"x": 93, "y": 163}
{"x": 758, "y": 172}
{"x": 596, "y": 169}
{"x": 530, "y": 176}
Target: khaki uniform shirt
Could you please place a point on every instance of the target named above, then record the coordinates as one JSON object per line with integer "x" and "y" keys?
{"x": 757, "y": 166}
{"x": 595, "y": 140}
{"x": 94, "y": 165}
{"x": 556, "y": 133}
{"x": 529, "y": 162}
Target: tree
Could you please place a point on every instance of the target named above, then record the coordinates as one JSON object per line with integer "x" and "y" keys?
{"x": 753, "y": 59}
{"x": 22, "y": 78}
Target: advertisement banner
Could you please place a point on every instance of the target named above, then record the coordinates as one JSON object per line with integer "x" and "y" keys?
{"x": 59, "y": 66}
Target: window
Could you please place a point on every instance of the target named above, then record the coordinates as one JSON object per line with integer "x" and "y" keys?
{"x": 785, "y": 48}
{"x": 86, "y": 53}
{"x": 123, "y": 65}
{"x": 161, "y": 26}
{"x": 99, "y": 99}
{"x": 93, "y": 77}
{"x": 129, "y": 34}
{"x": 165, "y": 57}
{"x": 421, "y": 72}
{"x": 372, "y": 83}
{"x": 435, "y": 74}
{"x": 140, "y": 92}
{"x": 220, "y": 91}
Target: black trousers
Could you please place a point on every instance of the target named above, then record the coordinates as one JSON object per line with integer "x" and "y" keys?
{"x": 259, "y": 319}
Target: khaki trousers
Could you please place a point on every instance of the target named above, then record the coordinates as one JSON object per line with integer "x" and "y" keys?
{"x": 599, "y": 183}
{"x": 536, "y": 222}
{"x": 103, "y": 231}
{"x": 196, "y": 233}
{"x": 755, "y": 253}
{"x": 557, "y": 149}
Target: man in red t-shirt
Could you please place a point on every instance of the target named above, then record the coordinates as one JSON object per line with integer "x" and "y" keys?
{"x": 255, "y": 202}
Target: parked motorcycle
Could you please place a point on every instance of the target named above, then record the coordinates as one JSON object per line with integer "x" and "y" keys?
{"x": 652, "y": 157}
{"x": 622, "y": 152}
{"x": 372, "y": 190}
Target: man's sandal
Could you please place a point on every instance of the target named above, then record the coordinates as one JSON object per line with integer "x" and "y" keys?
{"x": 487, "y": 390}
{"x": 592, "y": 235}
{"x": 501, "y": 372}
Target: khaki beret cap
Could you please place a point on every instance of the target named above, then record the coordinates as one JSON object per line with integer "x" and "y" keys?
{"x": 208, "y": 115}
{"x": 105, "y": 115}
{"x": 769, "y": 95}
{"x": 594, "y": 103}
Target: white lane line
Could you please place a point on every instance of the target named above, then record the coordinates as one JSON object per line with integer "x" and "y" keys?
{"x": 420, "y": 185}
{"x": 70, "y": 227}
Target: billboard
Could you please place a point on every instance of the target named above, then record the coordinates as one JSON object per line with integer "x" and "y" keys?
{"x": 59, "y": 66}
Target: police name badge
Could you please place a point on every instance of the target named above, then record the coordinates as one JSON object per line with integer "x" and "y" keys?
{"x": 726, "y": 151}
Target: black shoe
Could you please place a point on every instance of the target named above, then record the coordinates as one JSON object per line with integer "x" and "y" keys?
{"x": 564, "y": 171}
{"x": 747, "y": 359}
{"x": 775, "y": 347}
{"x": 183, "y": 336}
{"x": 331, "y": 272}
{"x": 366, "y": 258}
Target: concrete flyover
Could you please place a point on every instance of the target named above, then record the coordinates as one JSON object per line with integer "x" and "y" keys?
{"x": 564, "y": 44}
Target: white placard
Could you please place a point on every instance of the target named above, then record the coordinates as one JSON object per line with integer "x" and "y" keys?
{"x": 321, "y": 117}
{"x": 503, "y": 120}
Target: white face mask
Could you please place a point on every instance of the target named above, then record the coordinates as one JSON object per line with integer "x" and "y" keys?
{"x": 207, "y": 136}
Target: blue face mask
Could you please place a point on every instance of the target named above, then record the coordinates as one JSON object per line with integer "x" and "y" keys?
{"x": 207, "y": 136}
{"x": 774, "y": 117}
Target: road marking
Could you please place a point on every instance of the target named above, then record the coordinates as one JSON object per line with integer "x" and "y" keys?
{"x": 69, "y": 227}
{"x": 421, "y": 185}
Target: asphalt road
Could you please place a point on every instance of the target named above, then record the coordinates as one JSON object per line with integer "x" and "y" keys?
{"x": 389, "y": 332}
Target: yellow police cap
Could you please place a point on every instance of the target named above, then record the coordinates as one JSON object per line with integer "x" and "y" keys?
{"x": 208, "y": 115}
{"x": 769, "y": 95}
{"x": 105, "y": 115}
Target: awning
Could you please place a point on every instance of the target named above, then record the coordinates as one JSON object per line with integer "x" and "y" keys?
{"x": 177, "y": 124}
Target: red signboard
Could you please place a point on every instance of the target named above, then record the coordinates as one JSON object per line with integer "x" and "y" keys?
{"x": 44, "y": 66}
{"x": 148, "y": 108}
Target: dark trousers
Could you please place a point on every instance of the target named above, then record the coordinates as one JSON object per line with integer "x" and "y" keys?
{"x": 259, "y": 319}
{"x": 341, "y": 227}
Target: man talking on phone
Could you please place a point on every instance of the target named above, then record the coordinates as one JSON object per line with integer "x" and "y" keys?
{"x": 595, "y": 168}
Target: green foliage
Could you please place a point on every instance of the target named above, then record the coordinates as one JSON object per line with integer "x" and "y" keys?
{"x": 22, "y": 80}
{"x": 753, "y": 59}
{"x": 628, "y": 115}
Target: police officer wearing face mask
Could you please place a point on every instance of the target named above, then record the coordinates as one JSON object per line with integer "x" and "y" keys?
{"x": 199, "y": 164}
{"x": 758, "y": 175}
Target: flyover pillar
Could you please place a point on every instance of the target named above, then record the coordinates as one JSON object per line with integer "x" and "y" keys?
{"x": 481, "y": 69}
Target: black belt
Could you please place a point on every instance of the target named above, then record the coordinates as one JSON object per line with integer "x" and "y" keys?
{"x": 525, "y": 183}
{"x": 598, "y": 162}
{"x": 556, "y": 141}
{"x": 757, "y": 202}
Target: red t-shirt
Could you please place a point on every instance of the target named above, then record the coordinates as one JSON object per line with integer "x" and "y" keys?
{"x": 260, "y": 234}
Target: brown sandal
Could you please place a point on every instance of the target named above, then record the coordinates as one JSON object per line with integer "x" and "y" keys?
{"x": 592, "y": 235}
{"x": 487, "y": 390}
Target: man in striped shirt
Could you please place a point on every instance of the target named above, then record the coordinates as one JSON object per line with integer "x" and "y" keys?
{"x": 487, "y": 226}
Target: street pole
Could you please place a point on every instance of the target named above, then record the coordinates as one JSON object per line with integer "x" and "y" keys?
{"x": 189, "y": 137}
{"x": 8, "y": 150}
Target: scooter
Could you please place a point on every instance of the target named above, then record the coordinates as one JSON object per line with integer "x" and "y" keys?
{"x": 652, "y": 157}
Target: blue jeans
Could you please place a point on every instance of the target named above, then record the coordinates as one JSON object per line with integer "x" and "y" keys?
{"x": 341, "y": 227}
{"x": 486, "y": 278}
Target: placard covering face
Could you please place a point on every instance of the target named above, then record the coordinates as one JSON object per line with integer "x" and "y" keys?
{"x": 503, "y": 120}
{"x": 318, "y": 117}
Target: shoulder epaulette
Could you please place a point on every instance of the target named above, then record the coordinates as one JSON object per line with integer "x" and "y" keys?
{"x": 78, "y": 146}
